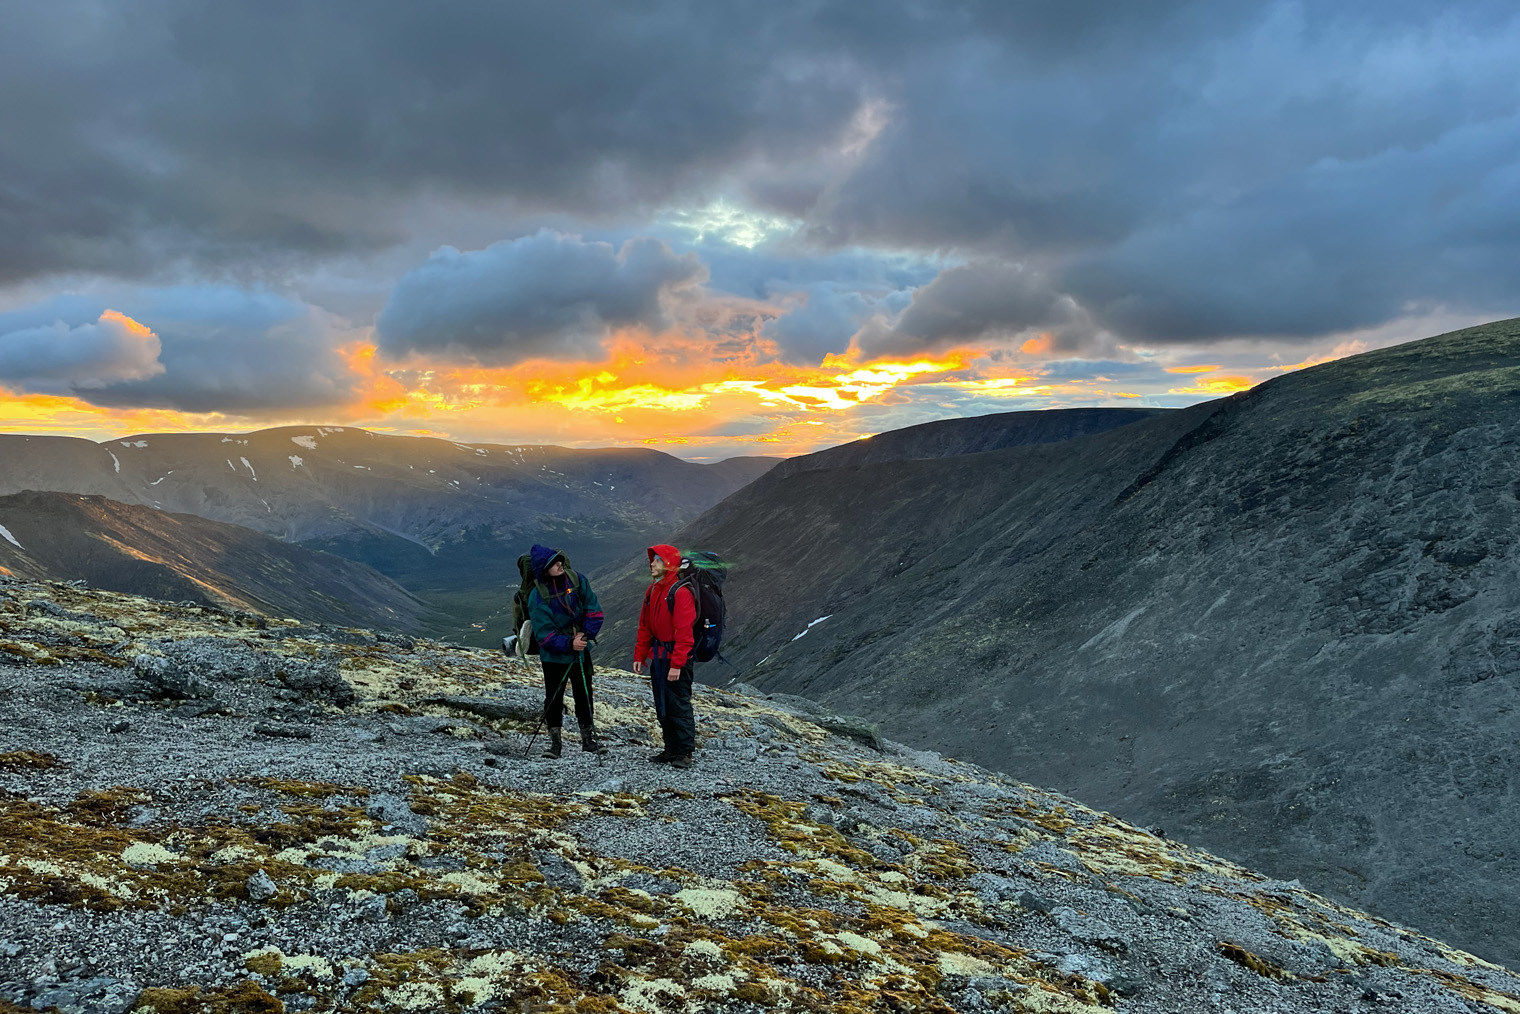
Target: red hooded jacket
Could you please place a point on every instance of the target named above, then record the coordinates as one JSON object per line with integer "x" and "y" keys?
{"x": 656, "y": 621}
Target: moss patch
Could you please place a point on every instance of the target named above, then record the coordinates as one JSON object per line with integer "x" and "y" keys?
{"x": 246, "y": 997}
{"x": 18, "y": 760}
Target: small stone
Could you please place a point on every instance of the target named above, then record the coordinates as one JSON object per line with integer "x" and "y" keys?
{"x": 372, "y": 908}
{"x": 1033, "y": 902}
{"x": 1089, "y": 929}
{"x": 116, "y": 727}
{"x": 355, "y": 977}
{"x": 281, "y": 731}
{"x": 1125, "y": 985}
{"x": 11, "y": 949}
{"x": 261, "y": 887}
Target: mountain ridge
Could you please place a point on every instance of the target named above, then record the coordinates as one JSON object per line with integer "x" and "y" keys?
{"x": 445, "y": 519}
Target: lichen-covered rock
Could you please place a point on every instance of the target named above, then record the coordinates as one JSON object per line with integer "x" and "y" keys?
{"x": 316, "y": 678}
{"x": 166, "y": 678}
{"x": 519, "y": 705}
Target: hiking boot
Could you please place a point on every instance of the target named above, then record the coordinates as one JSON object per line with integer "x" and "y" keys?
{"x": 683, "y": 760}
{"x": 589, "y": 743}
{"x": 555, "y": 746}
{"x": 663, "y": 757}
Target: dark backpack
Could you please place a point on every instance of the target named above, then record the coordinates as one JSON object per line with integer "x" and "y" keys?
{"x": 703, "y": 573}
{"x": 520, "y": 602}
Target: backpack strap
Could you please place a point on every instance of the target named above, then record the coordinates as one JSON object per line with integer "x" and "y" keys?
{"x": 549, "y": 595}
{"x": 685, "y": 582}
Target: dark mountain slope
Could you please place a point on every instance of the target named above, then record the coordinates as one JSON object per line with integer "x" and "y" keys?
{"x": 806, "y": 541}
{"x": 446, "y": 520}
{"x": 142, "y": 551}
{"x": 1285, "y": 625}
{"x": 947, "y": 438}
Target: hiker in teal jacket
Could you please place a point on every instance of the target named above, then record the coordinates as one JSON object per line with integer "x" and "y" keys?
{"x": 566, "y": 618}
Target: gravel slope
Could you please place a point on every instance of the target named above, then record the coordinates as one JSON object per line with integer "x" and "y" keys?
{"x": 209, "y": 811}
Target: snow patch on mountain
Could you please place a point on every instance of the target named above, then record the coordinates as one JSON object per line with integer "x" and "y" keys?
{"x": 5, "y": 533}
{"x": 310, "y": 443}
{"x": 811, "y": 625}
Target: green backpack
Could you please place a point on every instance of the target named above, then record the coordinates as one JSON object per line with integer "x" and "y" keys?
{"x": 527, "y": 643}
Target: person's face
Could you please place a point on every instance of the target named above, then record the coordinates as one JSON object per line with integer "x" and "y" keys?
{"x": 556, "y": 569}
{"x": 656, "y": 567}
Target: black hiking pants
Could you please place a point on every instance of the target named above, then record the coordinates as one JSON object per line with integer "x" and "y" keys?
{"x": 577, "y": 676}
{"x": 672, "y": 705}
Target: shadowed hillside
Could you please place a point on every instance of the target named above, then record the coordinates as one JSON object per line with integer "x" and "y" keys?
{"x": 947, "y": 438}
{"x": 139, "y": 550}
{"x": 1285, "y": 625}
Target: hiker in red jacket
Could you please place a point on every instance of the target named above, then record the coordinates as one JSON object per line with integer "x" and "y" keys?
{"x": 663, "y": 649}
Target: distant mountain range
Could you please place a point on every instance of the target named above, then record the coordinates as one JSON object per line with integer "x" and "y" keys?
{"x": 1284, "y": 625}
{"x": 445, "y": 520}
{"x": 180, "y": 557}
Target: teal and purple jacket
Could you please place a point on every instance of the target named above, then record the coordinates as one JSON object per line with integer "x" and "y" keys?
{"x": 558, "y": 607}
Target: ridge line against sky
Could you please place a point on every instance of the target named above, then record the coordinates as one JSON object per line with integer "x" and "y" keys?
{"x": 721, "y": 230}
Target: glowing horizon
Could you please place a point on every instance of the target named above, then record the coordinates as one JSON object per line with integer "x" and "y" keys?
{"x": 668, "y": 394}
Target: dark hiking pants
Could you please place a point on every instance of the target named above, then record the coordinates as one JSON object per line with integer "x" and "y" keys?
{"x": 672, "y": 705}
{"x": 575, "y": 675}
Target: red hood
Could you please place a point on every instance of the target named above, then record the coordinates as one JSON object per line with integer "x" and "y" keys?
{"x": 670, "y": 554}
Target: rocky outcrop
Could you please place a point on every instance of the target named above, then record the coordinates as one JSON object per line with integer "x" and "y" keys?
{"x": 403, "y": 855}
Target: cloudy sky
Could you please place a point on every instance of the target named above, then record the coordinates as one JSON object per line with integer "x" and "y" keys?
{"x": 731, "y": 228}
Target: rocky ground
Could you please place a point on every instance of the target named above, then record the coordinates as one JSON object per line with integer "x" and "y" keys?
{"x": 212, "y": 811}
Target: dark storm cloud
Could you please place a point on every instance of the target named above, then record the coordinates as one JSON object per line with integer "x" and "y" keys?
{"x": 1173, "y": 171}
{"x": 222, "y": 350}
{"x": 1295, "y": 170}
{"x": 979, "y": 302}
{"x": 546, "y": 295}
{"x": 137, "y": 135}
{"x": 825, "y": 321}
